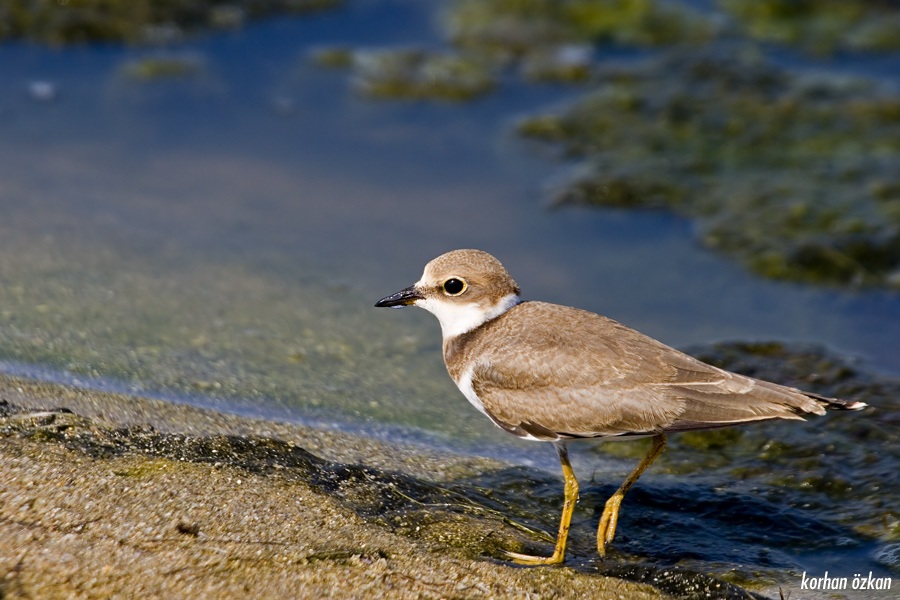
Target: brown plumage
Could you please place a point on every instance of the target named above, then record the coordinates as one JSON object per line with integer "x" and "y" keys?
{"x": 578, "y": 374}
{"x": 555, "y": 373}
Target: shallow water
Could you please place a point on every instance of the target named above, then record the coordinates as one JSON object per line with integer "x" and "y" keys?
{"x": 220, "y": 237}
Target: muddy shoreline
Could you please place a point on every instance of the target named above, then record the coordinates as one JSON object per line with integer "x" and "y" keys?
{"x": 96, "y": 502}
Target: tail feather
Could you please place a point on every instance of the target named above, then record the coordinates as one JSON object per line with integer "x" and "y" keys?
{"x": 835, "y": 403}
{"x": 738, "y": 399}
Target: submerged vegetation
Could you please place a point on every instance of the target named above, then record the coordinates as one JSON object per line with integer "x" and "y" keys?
{"x": 543, "y": 40}
{"x": 506, "y": 29}
{"x": 821, "y": 26}
{"x": 411, "y": 73}
{"x": 160, "y": 67}
{"x": 134, "y": 21}
{"x": 794, "y": 176}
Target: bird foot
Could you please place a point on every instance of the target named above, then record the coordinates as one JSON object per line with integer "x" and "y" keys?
{"x": 527, "y": 559}
{"x": 606, "y": 531}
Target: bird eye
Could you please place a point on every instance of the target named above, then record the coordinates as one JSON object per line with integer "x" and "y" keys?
{"x": 454, "y": 286}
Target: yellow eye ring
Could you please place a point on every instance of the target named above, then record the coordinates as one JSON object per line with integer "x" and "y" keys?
{"x": 455, "y": 286}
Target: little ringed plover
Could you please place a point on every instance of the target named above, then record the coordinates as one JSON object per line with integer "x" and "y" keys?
{"x": 554, "y": 373}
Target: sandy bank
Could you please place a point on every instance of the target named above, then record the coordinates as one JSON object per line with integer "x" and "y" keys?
{"x": 103, "y": 495}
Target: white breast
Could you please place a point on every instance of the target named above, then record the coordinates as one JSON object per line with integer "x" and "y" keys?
{"x": 465, "y": 386}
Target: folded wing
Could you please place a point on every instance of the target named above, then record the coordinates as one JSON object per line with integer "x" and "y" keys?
{"x": 609, "y": 380}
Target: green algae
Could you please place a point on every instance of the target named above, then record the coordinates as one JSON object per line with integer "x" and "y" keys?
{"x": 558, "y": 64}
{"x": 544, "y": 40}
{"x": 507, "y": 29}
{"x": 794, "y": 177}
{"x": 135, "y": 21}
{"x": 411, "y": 73}
{"x": 821, "y": 26}
{"x": 417, "y": 74}
{"x": 162, "y": 67}
{"x": 333, "y": 57}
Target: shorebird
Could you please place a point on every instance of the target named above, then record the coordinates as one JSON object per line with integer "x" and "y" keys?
{"x": 554, "y": 373}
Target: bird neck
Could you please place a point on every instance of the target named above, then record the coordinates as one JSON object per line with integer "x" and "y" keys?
{"x": 468, "y": 318}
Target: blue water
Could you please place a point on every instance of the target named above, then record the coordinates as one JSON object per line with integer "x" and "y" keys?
{"x": 269, "y": 176}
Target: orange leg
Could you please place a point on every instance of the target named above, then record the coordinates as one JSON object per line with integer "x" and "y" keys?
{"x": 610, "y": 518}
{"x": 571, "y": 497}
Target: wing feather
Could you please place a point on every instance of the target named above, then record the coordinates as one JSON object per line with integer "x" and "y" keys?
{"x": 577, "y": 374}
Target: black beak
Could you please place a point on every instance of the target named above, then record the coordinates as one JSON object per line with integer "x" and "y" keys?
{"x": 401, "y": 298}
